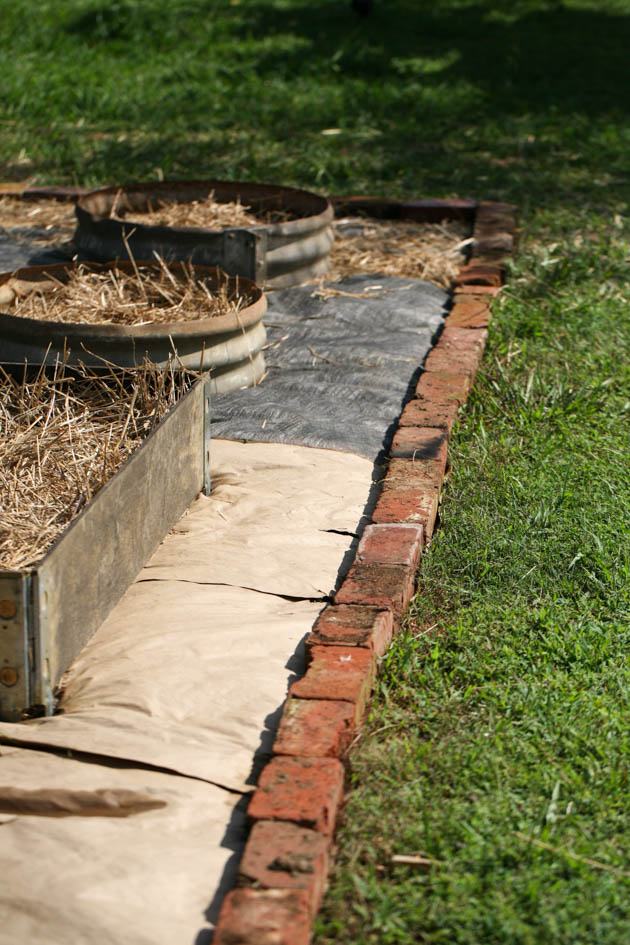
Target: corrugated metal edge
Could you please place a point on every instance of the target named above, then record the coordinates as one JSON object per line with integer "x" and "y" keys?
{"x": 222, "y": 341}
{"x": 306, "y": 240}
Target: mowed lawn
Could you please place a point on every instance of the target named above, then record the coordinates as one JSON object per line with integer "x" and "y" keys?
{"x": 497, "y": 744}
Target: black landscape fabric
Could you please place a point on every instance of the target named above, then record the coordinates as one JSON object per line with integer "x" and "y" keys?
{"x": 338, "y": 368}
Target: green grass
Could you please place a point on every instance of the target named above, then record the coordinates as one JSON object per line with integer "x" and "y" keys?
{"x": 501, "y": 720}
{"x": 498, "y": 740}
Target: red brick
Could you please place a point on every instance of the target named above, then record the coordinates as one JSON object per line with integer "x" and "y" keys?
{"x": 314, "y": 728}
{"x": 443, "y": 387}
{"x": 409, "y": 505}
{"x": 459, "y": 350}
{"x": 422, "y": 413}
{"x": 493, "y": 218}
{"x": 470, "y": 313}
{"x": 463, "y": 339}
{"x": 422, "y": 444}
{"x": 494, "y": 246}
{"x": 284, "y": 856}
{"x": 481, "y": 291}
{"x": 391, "y": 544}
{"x": 380, "y": 585}
{"x": 264, "y": 917}
{"x": 304, "y": 791}
{"x": 481, "y": 272}
{"x": 415, "y": 474}
{"x": 435, "y": 211}
{"x": 338, "y": 672}
{"x": 480, "y": 294}
{"x": 440, "y": 359}
{"x": 347, "y": 625}
{"x": 411, "y": 490}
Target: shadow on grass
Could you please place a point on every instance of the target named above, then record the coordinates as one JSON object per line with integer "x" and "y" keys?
{"x": 547, "y": 55}
{"x": 566, "y": 58}
{"x": 432, "y": 98}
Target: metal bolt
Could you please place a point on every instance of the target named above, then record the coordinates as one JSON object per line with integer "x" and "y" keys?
{"x": 8, "y": 609}
{"x": 8, "y": 676}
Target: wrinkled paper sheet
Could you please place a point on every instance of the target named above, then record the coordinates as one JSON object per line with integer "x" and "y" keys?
{"x": 187, "y": 675}
{"x": 152, "y": 876}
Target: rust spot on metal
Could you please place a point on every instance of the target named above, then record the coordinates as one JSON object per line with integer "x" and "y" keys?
{"x": 8, "y": 676}
{"x": 8, "y": 609}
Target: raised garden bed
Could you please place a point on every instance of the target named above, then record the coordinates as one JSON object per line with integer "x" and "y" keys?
{"x": 276, "y": 236}
{"x": 173, "y": 315}
{"x": 294, "y": 809}
{"x": 95, "y": 470}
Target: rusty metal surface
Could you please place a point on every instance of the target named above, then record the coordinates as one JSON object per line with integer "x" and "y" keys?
{"x": 26, "y": 191}
{"x": 229, "y": 346}
{"x": 420, "y": 211}
{"x": 274, "y": 254}
{"x": 53, "y": 609}
{"x": 15, "y": 681}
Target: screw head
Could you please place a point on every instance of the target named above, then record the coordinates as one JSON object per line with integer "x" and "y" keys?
{"x": 8, "y": 609}
{"x": 8, "y": 676}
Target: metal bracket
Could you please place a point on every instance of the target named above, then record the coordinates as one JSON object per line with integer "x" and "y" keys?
{"x": 16, "y": 655}
{"x": 244, "y": 254}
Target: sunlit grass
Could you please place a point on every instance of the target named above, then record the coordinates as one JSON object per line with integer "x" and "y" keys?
{"x": 497, "y": 743}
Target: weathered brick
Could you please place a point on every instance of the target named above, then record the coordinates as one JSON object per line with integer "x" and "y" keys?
{"x": 353, "y": 625}
{"x": 463, "y": 338}
{"x": 391, "y": 544}
{"x": 492, "y": 218}
{"x": 410, "y": 492}
{"x": 314, "y": 728}
{"x": 439, "y": 359}
{"x": 443, "y": 387}
{"x": 304, "y": 791}
{"x": 410, "y": 505}
{"x": 481, "y": 272}
{"x": 345, "y": 673}
{"x": 285, "y": 856}
{"x": 421, "y": 444}
{"x": 423, "y": 413}
{"x": 415, "y": 473}
{"x": 264, "y": 917}
{"x": 494, "y": 246}
{"x": 380, "y": 585}
{"x": 436, "y": 211}
{"x": 480, "y": 291}
{"x": 470, "y": 313}
{"x": 458, "y": 350}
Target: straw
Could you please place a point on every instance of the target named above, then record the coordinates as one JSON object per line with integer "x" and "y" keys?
{"x": 46, "y": 221}
{"x": 63, "y": 435}
{"x": 401, "y": 248}
{"x": 150, "y": 295}
{"x": 207, "y": 214}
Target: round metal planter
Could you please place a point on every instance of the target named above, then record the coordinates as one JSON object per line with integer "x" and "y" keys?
{"x": 272, "y": 254}
{"x": 229, "y": 346}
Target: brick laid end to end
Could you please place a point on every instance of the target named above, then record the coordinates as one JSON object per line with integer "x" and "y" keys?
{"x": 295, "y": 806}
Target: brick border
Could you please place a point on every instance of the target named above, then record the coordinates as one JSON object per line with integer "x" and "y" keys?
{"x": 294, "y": 809}
{"x": 26, "y": 192}
{"x": 283, "y": 872}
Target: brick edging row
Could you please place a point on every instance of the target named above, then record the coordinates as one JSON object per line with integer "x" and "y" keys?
{"x": 294, "y": 809}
